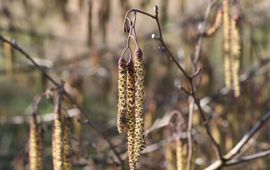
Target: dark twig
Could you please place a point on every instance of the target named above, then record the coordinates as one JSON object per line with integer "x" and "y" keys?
{"x": 19, "y": 49}
{"x": 89, "y": 123}
{"x": 189, "y": 78}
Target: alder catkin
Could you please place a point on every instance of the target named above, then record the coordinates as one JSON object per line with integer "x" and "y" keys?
{"x": 66, "y": 143}
{"x": 235, "y": 52}
{"x": 61, "y": 143}
{"x": 139, "y": 96}
{"x": 169, "y": 156}
{"x": 122, "y": 77}
{"x": 57, "y": 143}
{"x": 179, "y": 155}
{"x": 131, "y": 114}
{"x": 226, "y": 44}
{"x": 35, "y": 144}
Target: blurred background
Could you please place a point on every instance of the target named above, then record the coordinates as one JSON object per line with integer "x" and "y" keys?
{"x": 80, "y": 41}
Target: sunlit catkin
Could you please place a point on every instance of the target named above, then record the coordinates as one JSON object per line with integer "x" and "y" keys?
{"x": 139, "y": 96}
{"x": 122, "y": 77}
{"x": 131, "y": 114}
{"x": 226, "y": 44}
{"x": 35, "y": 145}
{"x": 235, "y": 52}
{"x": 218, "y": 22}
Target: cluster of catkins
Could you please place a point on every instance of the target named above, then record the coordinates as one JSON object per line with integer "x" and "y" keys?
{"x": 61, "y": 145}
{"x": 231, "y": 45}
{"x": 130, "y": 104}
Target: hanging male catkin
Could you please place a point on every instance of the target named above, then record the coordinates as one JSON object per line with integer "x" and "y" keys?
{"x": 35, "y": 144}
{"x": 122, "y": 79}
{"x": 131, "y": 114}
{"x": 226, "y": 43}
{"x": 235, "y": 52}
{"x": 57, "y": 143}
{"x": 180, "y": 165}
{"x": 139, "y": 95}
{"x": 66, "y": 143}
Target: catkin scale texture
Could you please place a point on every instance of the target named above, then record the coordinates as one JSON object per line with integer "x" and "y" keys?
{"x": 66, "y": 144}
{"x": 131, "y": 114}
{"x": 35, "y": 145}
{"x": 122, "y": 77}
{"x": 139, "y": 96}
{"x": 61, "y": 143}
{"x": 57, "y": 144}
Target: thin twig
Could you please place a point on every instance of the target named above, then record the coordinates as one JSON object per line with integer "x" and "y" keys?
{"x": 237, "y": 149}
{"x": 14, "y": 45}
{"x": 189, "y": 78}
{"x": 89, "y": 123}
{"x": 202, "y": 31}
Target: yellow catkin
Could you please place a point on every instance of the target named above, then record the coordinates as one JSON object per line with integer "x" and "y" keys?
{"x": 35, "y": 145}
{"x": 218, "y": 21}
{"x": 122, "y": 77}
{"x": 179, "y": 155}
{"x": 226, "y": 44}
{"x": 139, "y": 96}
{"x": 61, "y": 143}
{"x": 131, "y": 114}
{"x": 66, "y": 144}
{"x": 169, "y": 156}
{"x": 235, "y": 52}
{"x": 57, "y": 143}
{"x": 194, "y": 155}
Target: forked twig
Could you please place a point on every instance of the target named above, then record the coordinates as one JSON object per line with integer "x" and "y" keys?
{"x": 228, "y": 158}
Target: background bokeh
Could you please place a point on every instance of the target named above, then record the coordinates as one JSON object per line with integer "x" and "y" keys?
{"x": 80, "y": 41}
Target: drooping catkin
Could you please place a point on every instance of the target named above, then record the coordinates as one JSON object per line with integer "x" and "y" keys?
{"x": 139, "y": 96}
{"x": 218, "y": 22}
{"x": 235, "y": 52}
{"x": 131, "y": 114}
{"x": 122, "y": 77}
{"x": 169, "y": 156}
{"x": 35, "y": 144}
{"x": 61, "y": 143}
{"x": 179, "y": 155}
{"x": 226, "y": 44}
{"x": 57, "y": 143}
{"x": 66, "y": 143}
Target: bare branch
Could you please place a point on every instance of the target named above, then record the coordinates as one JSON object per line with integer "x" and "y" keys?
{"x": 237, "y": 149}
{"x": 248, "y": 158}
{"x": 58, "y": 85}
